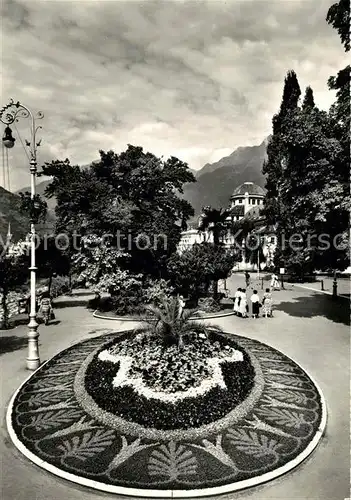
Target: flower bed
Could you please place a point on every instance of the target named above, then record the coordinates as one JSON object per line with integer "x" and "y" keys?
{"x": 166, "y": 392}
{"x": 60, "y": 427}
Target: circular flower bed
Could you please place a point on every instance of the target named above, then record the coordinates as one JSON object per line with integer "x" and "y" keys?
{"x": 93, "y": 414}
{"x": 160, "y": 388}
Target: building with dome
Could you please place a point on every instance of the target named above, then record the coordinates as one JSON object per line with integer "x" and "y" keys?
{"x": 246, "y": 197}
{"x": 246, "y": 202}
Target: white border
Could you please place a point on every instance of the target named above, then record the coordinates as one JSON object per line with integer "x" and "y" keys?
{"x": 141, "y": 319}
{"x": 149, "y": 493}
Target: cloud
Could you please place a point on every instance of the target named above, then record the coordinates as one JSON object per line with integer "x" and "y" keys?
{"x": 183, "y": 78}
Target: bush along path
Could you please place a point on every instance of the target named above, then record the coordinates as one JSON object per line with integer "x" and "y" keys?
{"x": 103, "y": 413}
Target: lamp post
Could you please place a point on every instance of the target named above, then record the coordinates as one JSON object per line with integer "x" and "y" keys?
{"x": 9, "y": 114}
{"x": 335, "y": 285}
{"x": 258, "y": 257}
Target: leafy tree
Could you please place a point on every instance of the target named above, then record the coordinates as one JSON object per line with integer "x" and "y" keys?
{"x": 98, "y": 264}
{"x": 339, "y": 17}
{"x": 214, "y": 221}
{"x": 134, "y": 195}
{"x": 35, "y": 207}
{"x": 191, "y": 272}
{"x": 51, "y": 259}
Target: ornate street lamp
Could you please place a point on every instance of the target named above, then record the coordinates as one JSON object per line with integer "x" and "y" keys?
{"x": 7, "y": 140}
{"x": 11, "y": 113}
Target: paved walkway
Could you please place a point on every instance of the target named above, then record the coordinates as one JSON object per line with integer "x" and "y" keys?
{"x": 309, "y": 327}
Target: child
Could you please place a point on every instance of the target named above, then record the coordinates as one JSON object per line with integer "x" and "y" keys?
{"x": 267, "y": 304}
{"x": 237, "y": 298}
{"x": 255, "y": 299}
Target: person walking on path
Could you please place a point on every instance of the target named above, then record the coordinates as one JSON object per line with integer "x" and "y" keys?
{"x": 243, "y": 307}
{"x": 237, "y": 298}
{"x": 255, "y": 300}
{"x": 274, "y": 282}
{"x": 247, "y": 279}
{"x": 267, "y": 304}
{"x": 46, "y": 309}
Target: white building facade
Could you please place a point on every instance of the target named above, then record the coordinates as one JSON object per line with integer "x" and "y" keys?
{"x": 247, "y": 202}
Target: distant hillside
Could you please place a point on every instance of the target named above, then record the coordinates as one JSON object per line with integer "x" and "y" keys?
{"x": 216, "y": 181}
{"x": 10, "y": 213}
{"x": 40, "y": 188}
{"x": 20, "y": 224}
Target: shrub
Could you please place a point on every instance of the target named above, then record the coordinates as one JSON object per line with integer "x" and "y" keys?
{"x": 209, "y": 305}
{"x": 127, "y": 302}
{"x": 157, "y": 292}
{"x": 59, "y": 286}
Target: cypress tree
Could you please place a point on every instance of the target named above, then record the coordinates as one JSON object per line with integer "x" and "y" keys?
{"x": 308, "y": 100}
{"x": 275, "y": 211}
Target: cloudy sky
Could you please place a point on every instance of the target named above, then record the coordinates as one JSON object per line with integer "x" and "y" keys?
{"x": 193, "y": 79}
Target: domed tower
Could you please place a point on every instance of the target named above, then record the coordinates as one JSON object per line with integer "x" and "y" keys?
{"x": 247, "y": 196}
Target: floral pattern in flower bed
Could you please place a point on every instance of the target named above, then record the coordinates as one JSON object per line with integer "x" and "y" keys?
{"x": 259, "y": 415}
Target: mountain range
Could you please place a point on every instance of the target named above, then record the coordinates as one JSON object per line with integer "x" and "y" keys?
{"x": 10, "y": 213}
{"x": 215, "y": 184}
{"x": 217, "y": 181}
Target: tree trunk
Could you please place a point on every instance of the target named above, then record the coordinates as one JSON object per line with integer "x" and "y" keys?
{"x": 5, "y": 321}
{"x": 50, "y": 282}
{"x": 70, "y": 281}
{"x": 215, "y": 290}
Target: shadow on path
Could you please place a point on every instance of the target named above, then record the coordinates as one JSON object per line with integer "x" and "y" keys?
{"x": 12, "y": 343}
{"x": 336, "y": 310}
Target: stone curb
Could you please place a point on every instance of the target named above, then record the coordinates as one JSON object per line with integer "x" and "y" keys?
{"x": 96, "y": 314}
{"x": 149, "y": 493}
{"x": 323, "y": 291}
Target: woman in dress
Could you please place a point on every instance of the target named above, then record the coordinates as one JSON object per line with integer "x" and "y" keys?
{"x": 243, "y": 307}
{"x": 237, "y": 298}
{"x": 267, "y": 304}
{"x": 255, "y": 300}
{"x": 45, "y": 308}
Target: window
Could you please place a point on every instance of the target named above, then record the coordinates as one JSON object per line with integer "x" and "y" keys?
{"x": 240, "y": 201}
{"x": 254, "y": 201}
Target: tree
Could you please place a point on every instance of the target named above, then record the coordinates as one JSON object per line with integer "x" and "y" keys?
{"x": 134, "y": 196}
{"x": 191, "y": 272}
{"x": 35, "y": 207}
{"x": 276, "y": 160}
{"x": 254, "y": 249}
{"x": 339, "y": 17}
{"x": 308, "y": 100}
{"x": 51, "y": 259}
{"x": 313, "y": 192}
{"x": 215, "y": 221}
{"x": 276, "y": 211}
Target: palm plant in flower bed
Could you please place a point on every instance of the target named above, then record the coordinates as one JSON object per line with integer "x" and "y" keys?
{"x": 172, "y": 324}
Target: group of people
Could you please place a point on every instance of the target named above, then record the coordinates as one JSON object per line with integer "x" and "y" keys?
{"x": 241, "y": 305}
